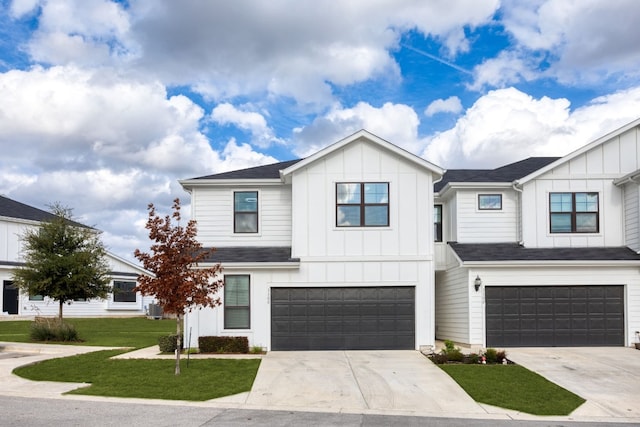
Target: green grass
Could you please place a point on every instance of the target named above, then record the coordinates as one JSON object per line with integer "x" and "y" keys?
{"x": 204, "y": 379}
{"x": 135, "y": 332}
{"x": 513, "y": 387}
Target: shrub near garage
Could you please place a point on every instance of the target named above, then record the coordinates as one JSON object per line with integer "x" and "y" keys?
{"x": 223, "y": 344}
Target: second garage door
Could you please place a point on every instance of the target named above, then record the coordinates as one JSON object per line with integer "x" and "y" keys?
{"x": 544, "y": 316}
{"x": 344, "y": 318}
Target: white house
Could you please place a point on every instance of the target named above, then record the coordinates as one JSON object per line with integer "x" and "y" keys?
{"x": 15, "y": 218}
{"x": 334, "y": 251}
{"x": 552, "y": 244}
{"x": 365, "y": 246}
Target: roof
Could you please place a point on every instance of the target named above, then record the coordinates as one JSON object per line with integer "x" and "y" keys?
{"x": 258, "y": 172}
{"x": 374, "y": 139}
{"x": 515, "y": 252}
{"x": 507, "y": 173}
{"x": 11, "y": 209}
{"x": 251, "y": 254}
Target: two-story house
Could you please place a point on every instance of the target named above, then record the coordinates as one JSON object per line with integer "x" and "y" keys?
{"x": 339, "y": 250}
{"x": 330, "y": 252}
{"x": 15, "y": 219}
{"x": 542, "y": 252}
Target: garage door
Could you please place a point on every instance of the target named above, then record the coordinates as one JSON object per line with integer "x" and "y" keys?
{"x": 555, "y": 316}
{"x": 345, "y": 318}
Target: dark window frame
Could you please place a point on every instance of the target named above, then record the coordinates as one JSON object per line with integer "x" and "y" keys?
{"x": 124, "y": 296}
{"x": 480, "y": 196}
{"x": 239, "y": 212}
{"x": 437, "y": 225}
{"x": 574, "y": 213}
{"x": 228, "y": 307}
{"x": 363, "y": 205}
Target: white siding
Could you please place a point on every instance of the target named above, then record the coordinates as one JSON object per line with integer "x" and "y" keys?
{"x": 10, "y": 239}
{"x": 631, "y": 216}
{"x": 486, "y": 226}
{"x": 452, "y": 305}
{"x": 594, "y": 170}
{"x": 212, "y": 208}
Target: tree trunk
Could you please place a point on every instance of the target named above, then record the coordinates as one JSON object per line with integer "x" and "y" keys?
{"x": 61, "y": 304}
{"x": 179, "y": 342}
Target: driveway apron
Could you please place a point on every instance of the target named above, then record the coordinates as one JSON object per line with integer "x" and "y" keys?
{"x": 356, "y": 381}
{"x": 607, "y": 377}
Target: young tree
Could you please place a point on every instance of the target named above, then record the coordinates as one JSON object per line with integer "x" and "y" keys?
{"x": 178, "y": 284}
{"x": 64, "y": 261}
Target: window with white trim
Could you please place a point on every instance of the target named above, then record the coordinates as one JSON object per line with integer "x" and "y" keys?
{"x": 574, "y": 213}
{"x": 362, "y": 204}
{"x": 237, "y": 307}
{"x": 123, "y": 291}
{"x": 245, "y": 212}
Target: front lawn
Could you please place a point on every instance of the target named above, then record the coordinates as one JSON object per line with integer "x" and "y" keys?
{"x": 135, "y": 332}
{"x": 204, "y": 379}
{"x": 513, "y": 387}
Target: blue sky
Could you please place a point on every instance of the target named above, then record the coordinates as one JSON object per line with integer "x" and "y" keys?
{"x": 105, "y": 105}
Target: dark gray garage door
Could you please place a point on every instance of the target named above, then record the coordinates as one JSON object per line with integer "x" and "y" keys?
{"x": 342, "y": 318}
{"x": 543, "y": 316}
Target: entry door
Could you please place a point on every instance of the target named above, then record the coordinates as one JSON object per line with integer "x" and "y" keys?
{"x": 9, "y": 297}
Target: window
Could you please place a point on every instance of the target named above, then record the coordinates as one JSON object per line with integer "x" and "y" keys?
{"x": 123, "y": 291}
{"x": 437, "y": 223}
{"x": 364, "y": 204}
{"x": 245, "y": 212}
{"x": 36, "y": 297}
{"x": 490, "y": 202}
{"x": 236, "y": 302}
{"x": 573, "y": 212}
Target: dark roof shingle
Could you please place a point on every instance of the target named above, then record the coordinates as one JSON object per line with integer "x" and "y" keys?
{"x": 12, "y": 209}
{"x": 516, "y": 252}
{"x": 258, "y": 172}
{"x": 251, "y": 254}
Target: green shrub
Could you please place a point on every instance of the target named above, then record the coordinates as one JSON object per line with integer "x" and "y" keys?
{"x": 455, "y": 355}
{"x": 472, "y": 358}
{"x": 491, "y": 355}
{"x": 53, "y": 330}
{"x": 223, "y": 344}
{"x": 168, "y": 343}
{"x": 501, "y": 356}
{"x": 449, "y": 346}
{"x": 439, "y": 359}
{"x": 256, "y": 349}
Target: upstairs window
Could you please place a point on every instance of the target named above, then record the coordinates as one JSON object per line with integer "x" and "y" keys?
{"x": 124, "y": 291}
{"x": 245, "y": 212}
{"x": 573, "y": 212}
{"x": 437, "y": 223}
{"x": 490, "y": 202}
{"x": 362, "y": 204}
{"x": 236, "y": 302}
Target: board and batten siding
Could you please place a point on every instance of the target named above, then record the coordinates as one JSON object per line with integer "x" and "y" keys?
{"x": 410, "y": 231}
{"x": 592, "y": 171}
{"x": 452, "y": 305}
{"x": 632, "y": 215}
{"x": 11, "y": 232}
{"x": 212, "y": 208}
{"x": 486, "y": 226}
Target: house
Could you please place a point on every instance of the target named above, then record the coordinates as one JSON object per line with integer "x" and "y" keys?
{"x": 333, "y": 251}
{"x": 15, "y": 219}
{"x": 365, "y": 246}
{"x": 543, "y": 252}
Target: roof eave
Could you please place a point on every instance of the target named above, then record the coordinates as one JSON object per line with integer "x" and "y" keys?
{"x": 288, "y": 265}
{"x": 246, "y": 182}
{"x": 552, "y": 263}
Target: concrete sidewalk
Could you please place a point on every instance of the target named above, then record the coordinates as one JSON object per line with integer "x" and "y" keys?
{"x": 359, "y": 382}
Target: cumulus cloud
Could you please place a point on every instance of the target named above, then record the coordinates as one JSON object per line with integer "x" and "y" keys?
{"x": 507, "y": 125}
{"x": 449, "y": 105}
{"x": 397, "y": 123}
{"x": 261, "y": 134}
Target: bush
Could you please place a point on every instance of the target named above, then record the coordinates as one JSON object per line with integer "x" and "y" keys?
{"x": 455, "y": 355}
{"x": 501, "y": 356}
{"x": 168, "y": 343}
{"x": 491, "y": 355}
{"x": 439, "y": 359}
{"x": 223, "y": 344}
{"x": 472, "y": 358}
{"x": 53, "y": 330}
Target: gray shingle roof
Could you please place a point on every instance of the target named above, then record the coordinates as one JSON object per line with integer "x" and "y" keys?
{"x": 252, "y": 254}
{"x": 12, "y": 209}
{"x": 515, "y": 252}
{"x": 258, "y": 172}
{"x": 507, "y": 173}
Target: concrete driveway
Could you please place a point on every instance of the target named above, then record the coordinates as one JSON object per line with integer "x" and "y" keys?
{"x": 607, "y": 377}
{"x": 350, "y": 381}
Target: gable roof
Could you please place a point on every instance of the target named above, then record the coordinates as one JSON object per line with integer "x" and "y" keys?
{"x": 12, "y": 209}
{"x": 270, "y": 171}
{"x": 579, "y": 151}
{"x": 505, "y": 174}
{"x": 492, "y": 252}
{"x": 371, "y": 138}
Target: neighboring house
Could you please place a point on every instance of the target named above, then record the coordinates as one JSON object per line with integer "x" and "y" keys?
{"x": 334, "y": 251}
{"x": 553, "y": 244}
{"x": 15, "y": 218}
{"x": 365, "y": 246}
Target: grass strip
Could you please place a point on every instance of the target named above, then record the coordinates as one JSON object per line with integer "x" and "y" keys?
{"x": 513, "y": 387}
{"x": 204, "y": 379}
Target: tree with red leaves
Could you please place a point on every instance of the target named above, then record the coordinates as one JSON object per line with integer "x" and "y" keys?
{"x": 179, "y": 284}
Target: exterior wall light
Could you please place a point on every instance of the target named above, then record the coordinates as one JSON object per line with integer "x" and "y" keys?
{"x": 477, "y": 283}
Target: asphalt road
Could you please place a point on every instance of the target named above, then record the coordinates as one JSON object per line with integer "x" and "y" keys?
{"x": 28, "y": 412}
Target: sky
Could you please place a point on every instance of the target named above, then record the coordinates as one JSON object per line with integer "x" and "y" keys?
{"x": 105, "y": 105}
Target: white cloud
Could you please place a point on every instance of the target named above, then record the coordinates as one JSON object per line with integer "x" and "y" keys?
{"x": 396, "y": 123}
{"x": 262, "y": 135}
{"x": 507, "y": 68}
{"x": 507, "y": 125}
{"x": 449, "y": 105}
